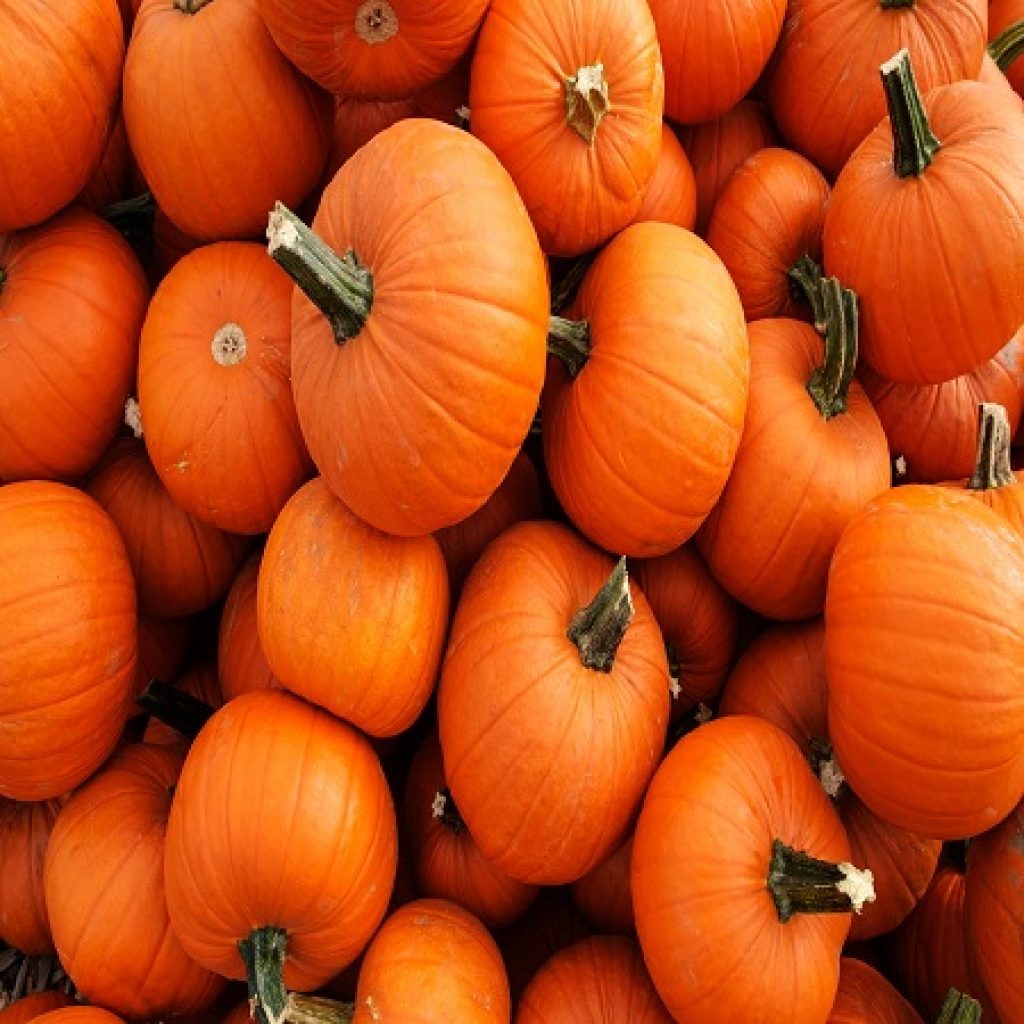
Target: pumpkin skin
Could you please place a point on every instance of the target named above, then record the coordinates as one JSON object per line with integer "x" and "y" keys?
{"x": 713, "y": 53}
{"x": 1001, "y": 15}
{"x": 580, "y": 191}
{"x": 72, "y": 301}
{"x": 181, "y": 565}
{"x": 80, "y": 1015}
{"x": 580, "y": 745}
{"x": 24, "y": 832}
{"x": 105, "y": 891}
{"x": 913, "y": 326}
{"x": 109, "y": 182}
{"x": 798, "y": 479}
{"x": 241, "y": 663}
{"x": 218, "y": 330}
{"x": 667, "y": 376}
{"x": 58, "y": 108}
{"x": 865, "y": 997}
{"x": 769, "y": 215}
{"x": 163, "y": 646}
{"x": 447, "y": 862}
{"x": 449, "y": 365}
{"x": 270, "y": 757}
{"x": 323, "y": 612}
{"x": 671, "y": 194}
{"x": 66, "y": 575}
{"x": 219, "y": 130}
{"x": 911, "y": 692}
{"x": 34, "y": 1005}
{"x": 605, "y": 981}
{"x": 603, "y": 895}
{"x": 373, "y": 49}
{"x": 991, "y": 75}
{"x": 753, "y": 780}
{"x": 823, "y": 89}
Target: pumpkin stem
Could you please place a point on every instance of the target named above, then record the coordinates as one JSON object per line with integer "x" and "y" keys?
{"x": 570, "y": 341}
{"x": 376, "y": 22}
{"x": 563, "y": 296}
{"x": 959, "y": 1009}
{"x": 890, "y": 5}
{"x": 691, "y": 720}
{"x": 302, "y": 1009}
{"x": 801, "y": 884}
{"x": 826, "y": 767}
{"x": 175, "y": 708}
{"x": 586, "y": 101}
{"x": 829, "y": 384}
{"x": 133, "y": 218}
{"x": 444, "y": 807}
{"x": 3, "y": 278}
{"x": 133, "y": 417}
{"x": 1007, "y": 46}
{"x": 339, "y": 286}
{"x": 805, "y": 283}
{"x": 190, "y": 6}
{"x": 229, "y": 345}
{"x": 992, "y": 467}
{"x": 914, "y": 144}
{"x": 263, "y": 953}
{"x": 598, "y": 629}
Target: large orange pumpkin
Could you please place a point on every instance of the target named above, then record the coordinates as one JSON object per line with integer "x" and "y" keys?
{"x": 433, "y": 338}
{"x": 80, "y": 1015}
{"x": 671, "y": 194}
{"x": 865, "y": 997}
{"x": 603, "y": 895}
{"x": 241, "y": 663}
{"x": 34, "y": 1005}
{"x": 68, "y": 638}
{"x": 72, "y": 301}
{"x": 1006, "y": 37}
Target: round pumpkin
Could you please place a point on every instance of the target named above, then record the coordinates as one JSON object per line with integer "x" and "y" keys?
{"x": 109, "y": 182}
{"x": 603, "y": 894}
{"x": 570, "y": 97}
{"x": 437, "y": 349}
{"x": 105, "y": 891}
{"x": 218, "y": 330}
{"x": 163, "y": 647}
{"x": 548, "y": 776}
{"x": 248, "y": 130}
{"x": 34, "y": 1005}
{"x": 80, "y": 1015}
{"x": 865, "y": 997}
{"x": 241, "y": 663}
{"x": 68, "y": 638}
{"x": 1006, "y": 37}
{"x": 671, "y": 194}
{"x": 992, "y": 76}
{"x": 652, "y": 361}
{"x": 72, "y": 301}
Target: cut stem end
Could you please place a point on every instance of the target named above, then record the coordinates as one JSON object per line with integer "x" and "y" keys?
{"x": 598, "y": 629}
{"x": 992, "y": 466}
{"x": 586, "y": 101}
{"x": 263, "y": 953}
{"x": 801, "y": 884}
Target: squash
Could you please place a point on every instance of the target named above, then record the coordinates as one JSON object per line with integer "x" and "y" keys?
{"x": 1006, "y": 36}
{"x": 163, "y": 646}
{"x": 109, "y": 182}
{"x": 241, "y": 663}
{"x": 865, "y": 997}
{"x": 199, "y": 681}
{"x": 80, "y": 1015}
{"x": 671, "y": 194}
{"x": 34, "y": 1005}
{"x": 24, "y": 832}
{"x": 603, "y": 894}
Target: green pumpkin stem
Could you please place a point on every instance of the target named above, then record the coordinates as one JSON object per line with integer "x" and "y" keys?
{"x": 825, "y": 767}
{"x": 586, "y": 101}
{"x": 263, "y": 953}
{"x": 914, "y": 144}
{"x": 302, "y": 1009}
{"x": 570, "y": 341}
{"x": 992, "y": 467}
{"x": 959, "y": 1009}
{"x": 829, "y": 384}
{"x": 805, "y": 279}
{"x": 892, "y": 5}
{"x": 598, "y": 629}
{"x": 446, "y": 810}
{"x": 339, "y": 286}
{"x": 190, "y": 6}
{"x": 1007, "y": 46}
{"x": 133, "y": 218}
{"x": 3, "y": 278}
{"x": 801, "y": 884}
{"x": 175, "y": 708}
{"x": 565, "y": 292}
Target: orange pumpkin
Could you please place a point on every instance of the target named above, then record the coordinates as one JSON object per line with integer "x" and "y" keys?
{"x": 1005, "y": 39}
{"x": 80, "y": 1015}
{"x": 34, "y": 1005}
{"x": 865, "y": 997}
{"x": 603, "y": 894}
{"x": 241, "y": 663}
{"x": 199, "y": 681}
{"x": 671, "y": 194}
{"x": 109, "y": 182}
{"x": 163, "y": 646}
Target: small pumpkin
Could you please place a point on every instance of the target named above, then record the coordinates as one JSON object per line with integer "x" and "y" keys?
{"x": 163, "y": 647}
{"x": 80, "y": 1015}
{"x": 603, "y": 894}
{"x": 865, "y": 997}
{"x": 34, "y": 1005}
{"x": 109, "y": 182}
{"x": 241, "y": 663}
{"x": 671, "y": 194}
{"x": 1006, "y": 38}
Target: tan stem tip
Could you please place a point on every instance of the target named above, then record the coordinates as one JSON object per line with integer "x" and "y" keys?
{"x": 376, "y": 22}
{"x": 586, "y": 101}
{"x": 229, "y": 345}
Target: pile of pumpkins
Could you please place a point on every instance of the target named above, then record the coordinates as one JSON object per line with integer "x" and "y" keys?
{"x": 508, "y": 511}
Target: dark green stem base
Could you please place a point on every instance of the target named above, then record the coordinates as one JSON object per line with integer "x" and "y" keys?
{"x": 598, "y": 629}
{"x": 447, "y": 811}
{"x": 570, "y": 341}
{"x": 317, "y": 1010}
{"x": 959, "y": 1009}
{"x": 564, "y": 293}
{"x": 1007, "y": 46}
{"x": 175, "y": 708}
{"x": 892, "y": 5}
{"x": 992, "y": 466}
{"x": 263, "y": 953}
{"x": 190, "y": 6}
{"x": 801, "y": 884}
{"x": 914, "y": 144}
{"x": 805, "y": 284}
{"x": 829, "y": 384}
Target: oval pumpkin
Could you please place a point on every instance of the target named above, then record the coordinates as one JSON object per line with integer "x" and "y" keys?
{"x": 241, "y": 663}
{"x": 34, "y": 1005}
{"x": 865, "y": 997}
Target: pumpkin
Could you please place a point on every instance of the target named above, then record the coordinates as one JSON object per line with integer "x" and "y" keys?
{"x": 218, "y": 330}
{"x": 991, "y": 75}
{"x": 351, "y": 618}
{"x": 603, "y": 895}
{"x": 823, "y": 88}
{"x": 927, "y": 717}
{"x": 447, "y": 862}
{"x": 769, "y": 218}
{"x": 1006, "y": 38}
{"x": 548, "y": 777}
{"x": 62, "y": 71}
{"x": 740, "y": 862}
{"x": 208, "y": 156}
{"x": 373, "y": 49}
{"x": 600, "y": 980}
{"x": 713, "y": 53}
{"x": 699, "y": 621}
{"x": 270, "y": 775}
{"x": 437, "y": 346}
{"x": 109, "y": 181}
{"x": 163, "y": 646}
{"x": 718, "y": 147}
{"x": 909, "y": 272}
{"x": 994, "y": 913}
{"x": 671, "y": 194}
{"x": 569, "y": 95}
{"x": 865, "y": 997}
{"x": 105, "y": 891}
{"x": 72, "y": 300}
{"x": 24, "y": 832}
{"x": 652, "y": 360}
{"x": 241, "y": 663}
{"x": 80, "y": 1015}
{"x": 34, "y": 1005}
{"x": 432, "y": 960}
{"x": 68, "y": 638}
{"x": 781, "y": 678}
{"x": 169, "y": 245}
{"x": 199, "y": 681}
{"x": 181, "y": 564}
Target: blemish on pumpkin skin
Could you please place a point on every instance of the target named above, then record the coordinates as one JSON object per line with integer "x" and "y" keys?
{"x": 373, "y": 1008}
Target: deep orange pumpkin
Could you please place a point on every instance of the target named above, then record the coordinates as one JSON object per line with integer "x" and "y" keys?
{"x": 218, "y": 330}
{"x": 569, "y": 95}
{"x": 351, "y": 618}
{"x": 552, "y": 710}
{"x": 865, "y": 997}
{"x": 62, "y": 71}
{"x": 200, "y": 681}
{"x": 241, "y": 663}
{"x": 1004, "y": 17}
{"x": 104, "y": 880}
{"x": 647, "y": 388}
{"x": 671, "y": 194}
{"x": 991, "y": 75}
{"x": 220, "y": 138}
{"x": 440, "y": 360}
{"x": 109, "y": 181}
{"x": 68, "y": 638}
{"x": 72, "y": 300}
{"x": 80, "y": 1015}
{"x": 603, "y": 894}
{"x": 34, "y": 1005}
